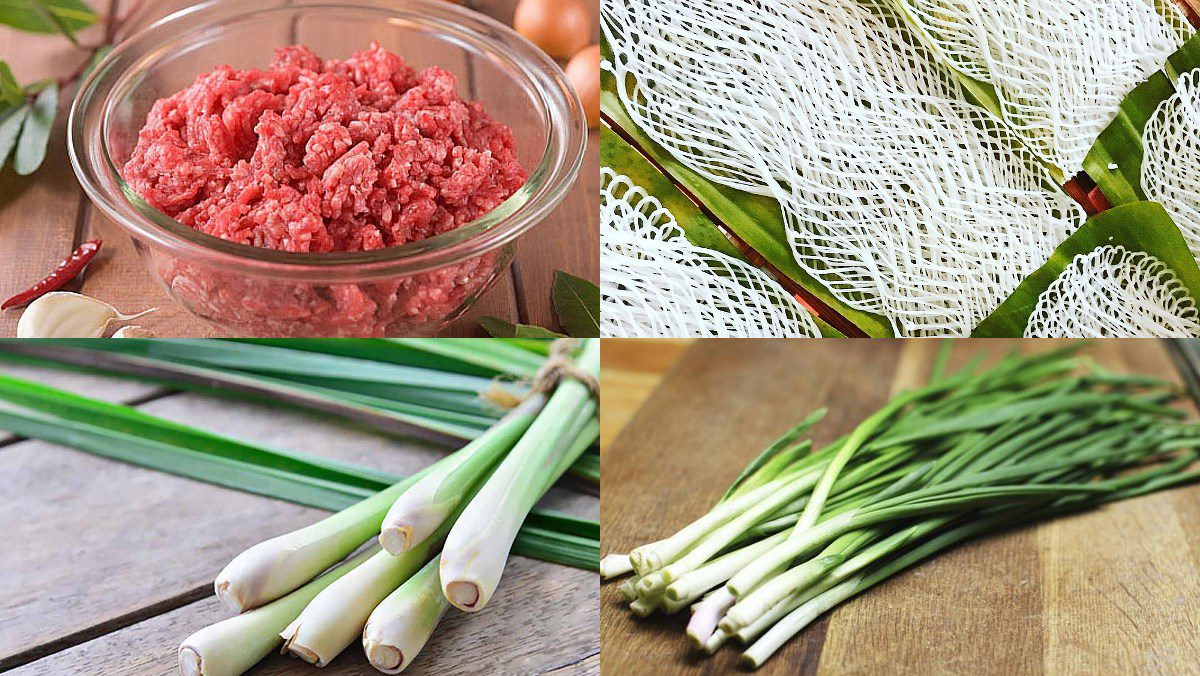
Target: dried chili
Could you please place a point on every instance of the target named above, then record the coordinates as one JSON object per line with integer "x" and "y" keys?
{"x": 65, "y": 272}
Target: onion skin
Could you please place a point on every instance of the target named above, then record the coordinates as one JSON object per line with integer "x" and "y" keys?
{"x": 559, "y": 27}
{"x": 583, "y": 70}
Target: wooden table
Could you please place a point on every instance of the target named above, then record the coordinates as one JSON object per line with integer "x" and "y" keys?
{"x": 1111, "y": 591}
{"x": 105, "y": 567}
{"x": 45, "y": 216}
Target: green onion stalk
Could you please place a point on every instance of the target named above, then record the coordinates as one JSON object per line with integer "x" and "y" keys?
{"x": 801, "y": 530}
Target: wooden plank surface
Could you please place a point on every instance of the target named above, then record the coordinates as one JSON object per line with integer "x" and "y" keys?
{"x": 629, "y": 371}
{"x": 115, "y": 563}
{"x": 1111, "y": 591}
{"x": 45, "y": 216}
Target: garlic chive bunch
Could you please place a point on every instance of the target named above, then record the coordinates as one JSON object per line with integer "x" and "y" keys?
{"x": 444, "y": 537}
{"x": 802, "y": 530}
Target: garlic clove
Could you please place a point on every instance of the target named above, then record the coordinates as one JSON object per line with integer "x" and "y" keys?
{"x": 63, "y": 314}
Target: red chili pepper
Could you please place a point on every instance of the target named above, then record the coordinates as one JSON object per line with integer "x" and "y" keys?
{"x": 56, "y": 280}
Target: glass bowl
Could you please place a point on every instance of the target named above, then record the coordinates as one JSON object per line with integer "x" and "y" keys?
{"x": 412, "y": 289}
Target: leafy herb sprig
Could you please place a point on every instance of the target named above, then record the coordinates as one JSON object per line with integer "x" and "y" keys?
{"x": 27, "y": 112}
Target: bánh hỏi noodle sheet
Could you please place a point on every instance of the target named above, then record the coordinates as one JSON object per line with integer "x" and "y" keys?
{"x": 654, "y": 282}
{"x": 899, "y": 195}
{"x": 1060, "y": 68}
{"x": 1171, "y": 159}
{"x": 1112, "y": 292}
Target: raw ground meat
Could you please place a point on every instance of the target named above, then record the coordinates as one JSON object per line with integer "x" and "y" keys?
{"x": 315, "y": 156}
{"x": 319, "y": 156}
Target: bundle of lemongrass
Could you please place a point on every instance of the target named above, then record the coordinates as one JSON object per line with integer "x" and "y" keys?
{"x": 444, "y": 536}
{"x": 801, "y": 531}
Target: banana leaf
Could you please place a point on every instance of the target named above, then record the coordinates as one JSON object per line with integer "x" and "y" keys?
{"x": 1120, "y": 144}
{"x": 1138, "y": 226}
{"x": 699, "y": 229}
{"x": 755, "y": 219}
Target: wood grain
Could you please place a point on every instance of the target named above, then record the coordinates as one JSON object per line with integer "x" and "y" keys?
{"x": 116, "y": 562}
{"x": 44, "y": 217}
{"x": 1110, "y": 591}
{"x": 629, "y": 371}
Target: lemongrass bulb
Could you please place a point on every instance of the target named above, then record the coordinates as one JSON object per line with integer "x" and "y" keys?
{"x": 425, "y": 506}
{"x": 401, "y": 625}
{"x": 417, "y": 512}
{"x": 335, "y": 618}
{"x": 477, "y": 547}
{"x": 233, "y": 646}
{"x": 275, "y": 567}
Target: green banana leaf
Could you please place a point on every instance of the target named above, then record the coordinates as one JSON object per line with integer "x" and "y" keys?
{"x": 617, "y": 154}
{"x": 1120, "y": 143}
{"x": 755, "y": 219}
{"x": 1138, "y": 226}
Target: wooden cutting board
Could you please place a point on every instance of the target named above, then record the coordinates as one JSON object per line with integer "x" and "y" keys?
{"x": 1112, "y": 591}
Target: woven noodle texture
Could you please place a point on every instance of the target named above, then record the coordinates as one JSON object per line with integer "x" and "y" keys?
{"x": 1060, "y": 67}
{"x": 900, "y": 196}
{"x": 654, "y": 282}
{"x": 1171, "y": 164}
{"x": 1115, "y": 293}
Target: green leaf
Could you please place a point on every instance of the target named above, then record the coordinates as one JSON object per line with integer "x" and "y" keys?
{"x": 498, "y": 328}
{"x": 756, "y": 219}
{"x": 46, "y": 16}
{"x": 11, "y": 91}
{"x": 35, "y": 133}
{"x": 501, "y": 328}
{"x": 287, "y": 363}
{"x": 577, "y": 305}
{"x": 129, "y": 435}
{"x": 442, "y": 417}
{"x": 397, "y": 417}
{"x": 530, "y": 331}
{"x": 1138, "y": 226}
{"x": 1119, "y": 146}
{"x": 11, "y": 120}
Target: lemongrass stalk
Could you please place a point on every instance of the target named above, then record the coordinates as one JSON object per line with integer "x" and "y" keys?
{"x": 707, "y": 615}
{"x": 401, "y": 625}
{"x": 231, "y": 647}
{"x": 615, "y": 565}
{"x": 801, "y": 617}
{"x": 336, "y": 616}
{"x": 426, "y": 505}
{"x": 477, "y": 548}
{"x": 717, "y": 571}
{"x": 275, "y": 567}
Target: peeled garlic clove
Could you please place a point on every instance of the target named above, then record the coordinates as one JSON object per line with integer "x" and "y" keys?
{"x": 63, "y": 314}
{"x": 132, "y": 332}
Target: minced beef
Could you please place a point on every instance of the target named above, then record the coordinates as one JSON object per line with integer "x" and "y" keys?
{"x": 314, "y": 156}
{"x": 321, "y": 156}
